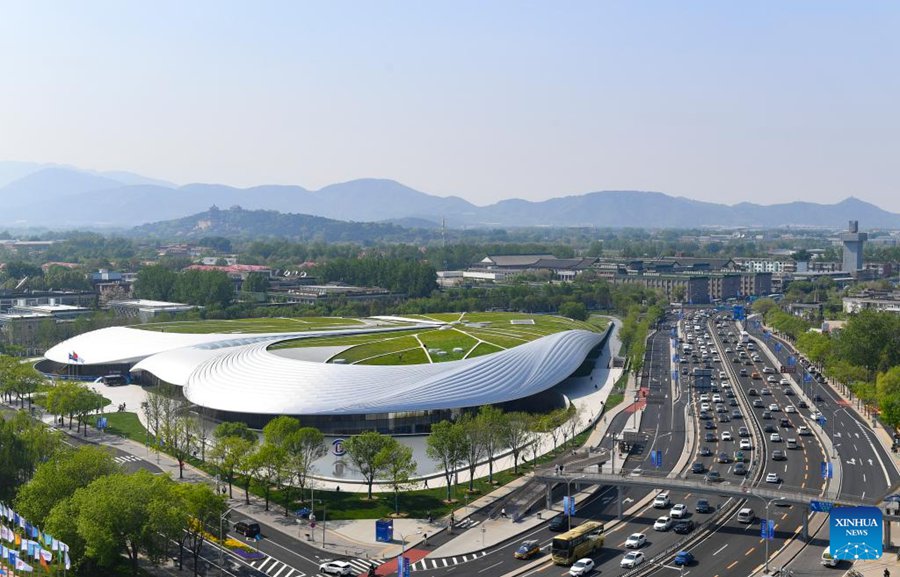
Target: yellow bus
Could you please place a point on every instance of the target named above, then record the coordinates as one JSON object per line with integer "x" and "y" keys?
{"x": 577, "y": 543}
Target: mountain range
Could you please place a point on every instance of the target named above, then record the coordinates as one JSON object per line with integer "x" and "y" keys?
{"x": 55, "y": 196}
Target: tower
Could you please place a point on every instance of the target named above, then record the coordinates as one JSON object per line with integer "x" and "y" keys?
{"x": 853, "y": 242}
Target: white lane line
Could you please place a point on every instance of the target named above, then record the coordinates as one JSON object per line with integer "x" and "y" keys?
{"x": 887, "y": 478}
{"x": 720, "y": 549}
{"x": 491, "y": 567}
{"x": 864, "y": 477}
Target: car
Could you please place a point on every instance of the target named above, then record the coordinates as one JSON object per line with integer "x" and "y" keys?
{"x": 703, "y": 506}
{"x": 818, "y": 398}
{"x": 679, "y": 511}
{"x": 739, "y": 469}
{"x": 723, "y": 418}
{"x": 336, "y": 568}
{"x": 743, "y": 372}
{"x": 713, "y": 477}
{"x": 774, "y": 408}
{"x": 247, "y": 529}
{"x": 732, "y": 403}
{"x": 631, "y": 560}
{"x": 803, "y": 431}
{"x": 635, "y": 541}
{"x": 723, "y": 458}
{"x": 684, "y": 370}
{"x": 528, "y": 549}
{"x": 703, "y": 415}
{"x": 791, "y": 443}
{"x": 698, "y": 467}
{"x": 815, "y": 415}
{"x": 768, "y": 370}
{"x": 746, "y": 445}
{"x": 704, "y": 406}
{"x": 790, "y": 409}
{"x": 766, "y": 415}
{"x": 778, "y": 455}
{"x": 755, "y": 375}
{"x": 787, "y": 392}
{"x": 770, "y": 428}
{"x": 735, "y": 360}
{"x": 775, "y": 438}
{"x": 559, "y": 523}
{"x": 661, "y": 501}
{"x": 581, "y": 567}
{"x": 704, "y": 398}
{"x": 662, "y": 524}
{"x": 710, "y": 437}
{"x": 784, "y": 383}
{"x": 683, "y": 558}
{"x": 684, "y": 527}
{"x": 720, "y": 408}
{"x": 766, "y": 392}
{"x": 772, "y": 478}
{"x": 802, "y": 405}
{"x": 705, "y": 451}
{"x": 717, "y": 398}
{"x": 743, "y": 432}
{"x": 758, "y": 404}
{"x": 785, "y": 423}
{"x": 739, "y": 456}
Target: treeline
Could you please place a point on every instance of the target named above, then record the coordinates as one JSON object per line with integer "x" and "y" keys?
{"x": 211, "y": 288}
{"x": 415, "y": 279}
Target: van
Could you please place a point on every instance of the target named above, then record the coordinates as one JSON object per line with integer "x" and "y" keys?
{"x": 248, "y": 530}
{"x": 827, "y": 559}
{"x": 746, "y": 515}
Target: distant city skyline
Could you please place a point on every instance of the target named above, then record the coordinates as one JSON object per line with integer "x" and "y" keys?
{"x": 767, "y": 102}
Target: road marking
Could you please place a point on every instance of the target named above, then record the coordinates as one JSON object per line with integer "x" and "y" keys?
{"x": 785, "y": 468}
{"x": 720, "y": 549}
{"x": 864, "y": 477}
{"x": 491, "y": 567}
{"x": 732, "y": 565}
{"x": 750, "y": 550}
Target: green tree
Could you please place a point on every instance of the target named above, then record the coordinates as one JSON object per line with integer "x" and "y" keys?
{"x": 211, "y": 288}
{"x": 491, "y": 421}
{"x": 59, "y": 478}
{"x": 517, "y": 435}
{"x": 363, "y": 450}
{"x": 155, "y": 282}
{"x": 204, "y": 509}
{"x": 573, "y": 310}
{"x": 265, "y": 465}
{"x": 448, "y": 444}
{"x": 232, "y": 442}
{"x": 888, "y": 393}
{"x": 396, "y": 461}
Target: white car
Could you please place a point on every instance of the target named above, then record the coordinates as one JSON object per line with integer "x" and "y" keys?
{"x": 746, "y": 445}
{"x": 704, "y": 398}
{"x": 631, "y": 560}
{"x": 774, "y": 408}
{"x": 775, "y": 438}
{"x": 662, "y": 524}
{"x": 772, "y": 478}
{"x": 635, "y": 541}
{"x": 717, "y": 398}
{"x": 582, "y": 567}
{"x": 771, "y": 379}
{"x": 704, "y": 406}
{"x": 784, "y": 383}
{"x": 661, "y": 501}
{"x": 336, "y": 568}
{"x": 678, "y": 511}
{"x": 790, "y": 409}
{"x": 803, "y": 431}
{"x": 726, "y": 436}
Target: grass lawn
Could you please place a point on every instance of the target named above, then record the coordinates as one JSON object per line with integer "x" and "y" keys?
{"x": 257, "y": 325}
{"x": 124, "y": 425}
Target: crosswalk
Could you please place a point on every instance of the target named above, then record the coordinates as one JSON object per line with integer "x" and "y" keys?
{"x": 466, "y": 523}
{"x": 122, "y": 459}
{"x": 274, "y": 568}
{"x": 427, "y": 564}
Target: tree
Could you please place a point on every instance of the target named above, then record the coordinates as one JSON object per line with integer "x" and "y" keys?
{"x": 15, "y": 464}
{"x": 204, "y": 509}
{"x": 475, "y": 444}
{"x": 256, "y": 282}
{"x": 181, "y": 436}
{"x": 574, "y": 420}
{"x": 363, "y": 451}
{"x": 232, "y": 442}
{"x": 888, "y": 390}
{"x": 396, "y": 461}
{"x": 265, "y": 465}
{"x": 282, "y": 432}
{"x": 59, "y": 478}
{"x": 122, "y": 513}
{"x": 516, "y": 436}
{"x": 491, "y": 421}
{"x": 307, "y": 446}
{"x": 155, "y": 282}
{"x": 204, "y": 287}
{"x": 448, "y": 444}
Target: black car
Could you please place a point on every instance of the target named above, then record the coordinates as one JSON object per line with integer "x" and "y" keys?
{"x": 737, "y": 414}
{"x": 724, "y": 418}
{"x": 767, "y": 415}
{"x": 710, "y": 437}
{"x": 704, "y": 451}
{"x": 709, "y": 425}
{"x": 785, "y": 422}
{"x": 752, "y": 392}
{"x": 559, "y": 524}
{"x": 698, "y": 467}
{"x": 703, "y": 506}
{"x": 770, "y": 428}
{"x": 248, "y": 530}
{"x": 743, "y": 432}
{"x": 788, "y": 391}
{"x": 739, "y": 469}
{"x": 684, "y": 527}
{"x": 803, "y": 405}
{"x": 713, "y": 477}
{"x": 724, "y": 458}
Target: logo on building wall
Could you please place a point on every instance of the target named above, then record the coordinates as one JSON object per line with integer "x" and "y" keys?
{"x": 337, "y": 448}
{"x": 856, "y": 533}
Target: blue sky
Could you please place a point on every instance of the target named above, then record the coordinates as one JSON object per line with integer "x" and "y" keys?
{"x": 720, "y": 101}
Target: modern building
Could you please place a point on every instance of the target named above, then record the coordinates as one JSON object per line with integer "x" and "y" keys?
{"x": 853, "y": 242}
{"x": 9, "y": 299}
{"x": 241, "y": 377}
{"x": 146, "y": 309}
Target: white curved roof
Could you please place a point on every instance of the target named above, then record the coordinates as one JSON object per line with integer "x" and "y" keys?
{"x": 237, "y": 373}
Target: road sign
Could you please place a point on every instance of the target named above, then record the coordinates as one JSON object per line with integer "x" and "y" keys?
{"x": 821, "y": 506}
{"x": 827, "y": 470}
{"x": 656, "y": 458}
{"x": 738, "y": 312}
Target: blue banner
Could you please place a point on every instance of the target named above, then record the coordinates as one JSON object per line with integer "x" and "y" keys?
{"x": 821, "y": 506}
{"x": 791, "y": 361}
{"x": 569, "y": 506}
{"x": 807, "y": 378}
{"x": 827, "y": 470}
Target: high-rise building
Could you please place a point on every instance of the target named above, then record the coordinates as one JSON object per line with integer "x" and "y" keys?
{"x": 853, "y": 242}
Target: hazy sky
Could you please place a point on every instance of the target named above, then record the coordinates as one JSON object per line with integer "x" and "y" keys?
{"x": 721, "y": 101}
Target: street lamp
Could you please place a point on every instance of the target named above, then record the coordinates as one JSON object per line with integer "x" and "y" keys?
{"x": 569, "y": 494}
{"x": 768, "y": 502}
{"x": 222, "y": 540}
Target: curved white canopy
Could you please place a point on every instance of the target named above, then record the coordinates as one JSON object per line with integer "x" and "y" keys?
{"x": 237, "y": 373}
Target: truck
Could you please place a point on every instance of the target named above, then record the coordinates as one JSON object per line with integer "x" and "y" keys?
{"x": 745, "y": 337}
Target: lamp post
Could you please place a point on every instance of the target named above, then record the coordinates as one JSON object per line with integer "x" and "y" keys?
{"x": 222, "y": 540}
{"x": 569, "y": 494}
{"x": 767, "y": 502}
